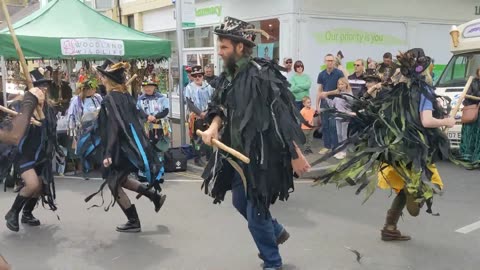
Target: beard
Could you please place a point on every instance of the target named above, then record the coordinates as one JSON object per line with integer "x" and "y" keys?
{"x": 230, "y": 63}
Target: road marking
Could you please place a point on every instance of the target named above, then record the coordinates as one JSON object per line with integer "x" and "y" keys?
{"x": 469, "y": 228}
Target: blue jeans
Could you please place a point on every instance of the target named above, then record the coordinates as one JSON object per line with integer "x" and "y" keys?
{"x": 263, "y": 228}
{"x": 329, "y": 128}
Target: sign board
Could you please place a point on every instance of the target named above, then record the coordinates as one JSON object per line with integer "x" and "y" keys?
{"x": 188, "y": 13}
{"x": 92, "y": 46}
{"x": 472, "y": 31}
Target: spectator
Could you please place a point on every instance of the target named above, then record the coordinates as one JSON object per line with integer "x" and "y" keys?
{"x": 387, "y": 68}
{"x": 341, "y": 104}
{"x": 470, "y": 140}
{"x": 209, "y": 73}
{"x": 287, "y": 65}
{"x": 327, "y": 82}
{"x": 338, "y": 63}
{"x": 300, "y": 84}
{"x": 198, "y": 94}
{"x": 308, "y": 113}
{"x": 154, "y": 108}
{"x": 357, "y": 79}
{"x": 372, "y": 82}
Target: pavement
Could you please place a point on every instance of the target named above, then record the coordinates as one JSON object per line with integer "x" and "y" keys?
{"x": 192, "y": 233}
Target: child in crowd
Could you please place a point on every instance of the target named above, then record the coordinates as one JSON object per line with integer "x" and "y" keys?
{"x": 341, "y": 104}
{"x": 308, "y": 114}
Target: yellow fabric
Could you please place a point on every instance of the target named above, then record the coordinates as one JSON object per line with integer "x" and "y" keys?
{"x": 389, "y": 178}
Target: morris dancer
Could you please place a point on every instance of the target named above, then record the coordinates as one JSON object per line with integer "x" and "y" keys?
{"x": 253, "y": 111}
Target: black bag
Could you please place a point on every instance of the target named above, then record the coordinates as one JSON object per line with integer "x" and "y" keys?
{"x": 175, "y": 160}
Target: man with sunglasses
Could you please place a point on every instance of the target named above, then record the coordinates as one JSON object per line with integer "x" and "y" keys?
{"x": 198, "y": 94}
{"x": 287, "y": 64}
{"x": 357, "y": 79}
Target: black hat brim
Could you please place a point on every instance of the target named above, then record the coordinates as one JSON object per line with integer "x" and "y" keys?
{"x": 41, "y": 82}
{"x": 236, "y": 38}
{"x": 147, "y": 84}
{"x": 110, "y": 76}
{"x": 372, "y": 79}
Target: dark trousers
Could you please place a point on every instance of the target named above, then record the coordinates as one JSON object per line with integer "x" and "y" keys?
{"x": 263, "y": 228}
{"x": 329, "y": 127}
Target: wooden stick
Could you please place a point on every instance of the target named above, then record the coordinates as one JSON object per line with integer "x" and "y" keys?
{"x": 472, "y": 97}
{"x": 462, "y": 97}
{"x": 131, "y": 79}
{"x": 23, "y": 63}
{"x": 14, "y": 113}
{"x": 227, "y": 149}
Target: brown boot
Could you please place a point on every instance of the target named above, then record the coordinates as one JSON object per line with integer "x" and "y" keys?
{"x": 390, "y": 232}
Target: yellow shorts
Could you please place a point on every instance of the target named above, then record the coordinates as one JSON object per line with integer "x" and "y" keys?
{"x": 389, "y": 178}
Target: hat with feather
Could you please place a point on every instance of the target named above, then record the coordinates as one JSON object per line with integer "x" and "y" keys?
{"x": 114, "y": 71}
{"x": 239, "y": 30}
{"x": 413, "y": 62}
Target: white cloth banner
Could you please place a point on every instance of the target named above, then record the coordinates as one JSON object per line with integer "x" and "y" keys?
{"x": 92, "y": 46}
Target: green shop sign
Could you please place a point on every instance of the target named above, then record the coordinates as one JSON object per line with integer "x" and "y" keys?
{"x": 356, "y": 36}
{"x": 213, "y": 10}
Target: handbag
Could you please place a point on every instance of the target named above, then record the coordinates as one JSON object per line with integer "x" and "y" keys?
{"x": 175, "y": 160}
{"x": 470, "y": 113}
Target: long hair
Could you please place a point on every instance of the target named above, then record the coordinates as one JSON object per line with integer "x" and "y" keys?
{"x": 344, "y": 80}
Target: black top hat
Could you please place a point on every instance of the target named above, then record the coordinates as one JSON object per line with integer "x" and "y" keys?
{"x": 38, "y": 79}
{"x": 238, "y": 30}
{"x": 414, "y": 61}
{"x": 197, "y": 70}
{"x": 114, "y": 71}
{"x": 371, "y": 75}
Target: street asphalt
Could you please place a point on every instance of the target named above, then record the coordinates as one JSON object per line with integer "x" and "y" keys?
{"x": 192, "y": 233}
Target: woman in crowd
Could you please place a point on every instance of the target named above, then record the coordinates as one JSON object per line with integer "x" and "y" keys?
{"x": 470, "y": 140}
{"x": 82, "y": 116}
{"x": 300, "y": 84}
{"x": 154, "y": 107}
{"x": 126, "y": 147}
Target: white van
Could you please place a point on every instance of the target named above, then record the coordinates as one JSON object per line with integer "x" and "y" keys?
{"x": 462, "y": 65}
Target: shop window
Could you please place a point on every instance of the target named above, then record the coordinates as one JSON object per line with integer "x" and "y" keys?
{"x": 131, "y": 21}
{"x": 103, "y": 4}
{"x": 199, "y": 37}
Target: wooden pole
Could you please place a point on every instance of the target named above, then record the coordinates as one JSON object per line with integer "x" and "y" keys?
{"x": 227, "y": 149}
{"x": 14, "y": 113}
{"x": 462, "y": 97}
{"x": 472, "y": 97}
{"x": 131, "y": 79}
{"x": 38, "y": 112}
{"x": 453, "y": 113}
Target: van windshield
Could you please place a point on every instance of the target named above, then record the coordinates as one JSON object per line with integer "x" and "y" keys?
{"x": 459, "y": 68}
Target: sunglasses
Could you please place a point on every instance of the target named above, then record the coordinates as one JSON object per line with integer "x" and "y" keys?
{"x": 197, "y": 76}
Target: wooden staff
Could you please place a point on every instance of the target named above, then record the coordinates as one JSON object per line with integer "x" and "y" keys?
{"x": 227, "y": 149}
{"x": 38, "y": 111}
{"x": 472, "y": 97}
{"x": 131, "y": 79}
{"x": 462, "y": 97}
{"x": 14, "y": 113}
{"x": 453, "y": 113}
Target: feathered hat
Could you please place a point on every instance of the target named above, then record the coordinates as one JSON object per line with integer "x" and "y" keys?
{"x": 414, "y": 61}
{"x": 239, "y": 30}
{"x": 114, "y": 71}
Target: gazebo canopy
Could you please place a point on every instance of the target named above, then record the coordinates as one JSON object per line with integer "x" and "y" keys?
{"x": 68, "y": 29}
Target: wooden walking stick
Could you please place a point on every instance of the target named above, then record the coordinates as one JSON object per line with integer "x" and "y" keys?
{"x": 227, "y": 149}
{"x": 461, "y": 98}
{"x": 38, "y": 111}
{"x": 14, "y": 113}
